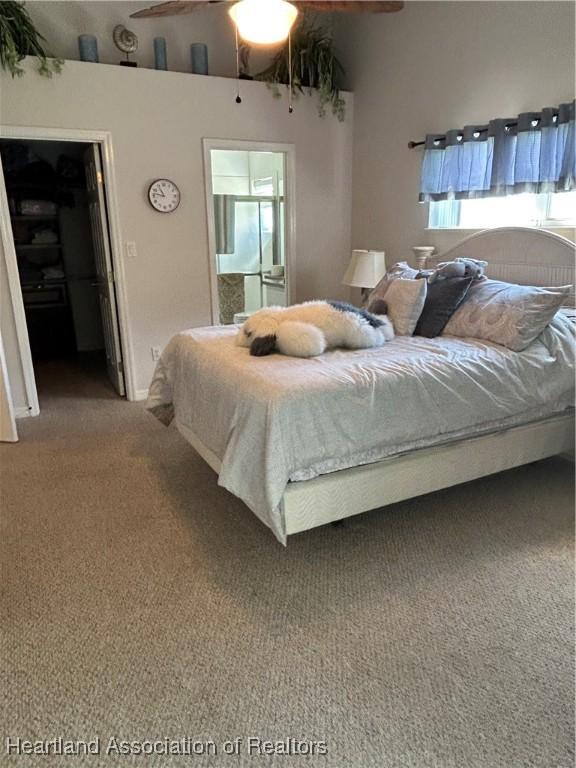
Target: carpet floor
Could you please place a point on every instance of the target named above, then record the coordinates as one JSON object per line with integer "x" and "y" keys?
{"x": 141, "y": 601}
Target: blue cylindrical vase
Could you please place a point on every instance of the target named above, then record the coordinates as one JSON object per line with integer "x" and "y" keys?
{"x": 88, "y": 47}
{"x": 160, "y": 57}
{"x": 199, "y": 56}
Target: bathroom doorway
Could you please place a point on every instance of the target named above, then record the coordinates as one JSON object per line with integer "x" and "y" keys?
{"x": 250, "y": 224}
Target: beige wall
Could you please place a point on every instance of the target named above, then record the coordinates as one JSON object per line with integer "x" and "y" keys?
{"x": 158, "y": 121}
{"x": 432, "y": 67}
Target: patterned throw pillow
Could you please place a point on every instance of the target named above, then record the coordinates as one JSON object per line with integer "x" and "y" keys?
{"x": 506, "y": 313}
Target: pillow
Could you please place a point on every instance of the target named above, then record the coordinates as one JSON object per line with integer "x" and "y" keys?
{"x": 377, "y": 307}
{"x": 568, "y": 312}
{"x": 442, "y": 299}
{"x": 506, "y": 313}
{"x": 400, "y": 270}
{"x": 405, "y": 300}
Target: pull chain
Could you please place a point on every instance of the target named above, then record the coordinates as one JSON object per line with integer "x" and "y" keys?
{"x": 290, "y": 107}
{"x": 238, "y": 98}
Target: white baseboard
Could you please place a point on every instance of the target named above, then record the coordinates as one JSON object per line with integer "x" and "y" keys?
{"x": 23, "y": 411}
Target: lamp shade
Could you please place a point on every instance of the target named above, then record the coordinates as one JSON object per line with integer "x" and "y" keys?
{"x": 263, "y": 22}
{"x": 366, "y": 269}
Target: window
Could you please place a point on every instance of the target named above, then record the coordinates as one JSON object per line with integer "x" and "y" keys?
{"x": 528, "y": 210}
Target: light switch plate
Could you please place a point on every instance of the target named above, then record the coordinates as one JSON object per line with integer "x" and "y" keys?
{"x": 130, "y": 249}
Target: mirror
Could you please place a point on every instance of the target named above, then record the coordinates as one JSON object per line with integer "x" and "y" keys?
{"x": 248, "y": 231}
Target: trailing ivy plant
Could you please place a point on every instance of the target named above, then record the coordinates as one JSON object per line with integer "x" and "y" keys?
{"x": 19, "y": 38}
{"x": 314, "y": 66}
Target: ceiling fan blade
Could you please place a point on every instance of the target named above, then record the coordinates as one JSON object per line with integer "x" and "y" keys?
{"x": 352, "y": 6}
{"x": 173, "y": 8}
{"x": 182, "y": 7}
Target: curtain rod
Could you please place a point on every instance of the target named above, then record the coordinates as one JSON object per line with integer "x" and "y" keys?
{"x": 412, "y": 144}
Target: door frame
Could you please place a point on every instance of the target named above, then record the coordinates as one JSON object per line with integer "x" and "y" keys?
{"x": 289, "y": 151}
{"x": 8, "y": 430}
{"x": 104, "y": 140}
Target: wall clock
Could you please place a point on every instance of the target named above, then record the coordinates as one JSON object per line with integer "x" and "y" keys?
{"x": 164, "y": 195}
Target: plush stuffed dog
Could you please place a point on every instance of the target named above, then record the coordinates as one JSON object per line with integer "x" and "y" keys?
{"x": 462, "y": 267}
{"x": 307, "y": 330}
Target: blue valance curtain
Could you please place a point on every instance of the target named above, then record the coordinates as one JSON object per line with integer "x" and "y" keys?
{"x": 534, "y": 152}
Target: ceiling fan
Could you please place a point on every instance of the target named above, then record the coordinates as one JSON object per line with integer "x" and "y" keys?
{"x": 182, "y": 7}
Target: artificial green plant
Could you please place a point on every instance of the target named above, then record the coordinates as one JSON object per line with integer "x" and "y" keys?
{"x": 19, "y": 38}
{"x": 314, "y": 66}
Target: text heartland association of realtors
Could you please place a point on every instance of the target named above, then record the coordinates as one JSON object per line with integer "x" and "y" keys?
{"x": 187, "y": 746}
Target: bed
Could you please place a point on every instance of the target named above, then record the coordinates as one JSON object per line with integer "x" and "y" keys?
{"x": 304, "y": 442}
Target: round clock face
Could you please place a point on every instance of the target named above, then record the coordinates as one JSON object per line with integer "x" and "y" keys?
{"x": 164, "y": 195}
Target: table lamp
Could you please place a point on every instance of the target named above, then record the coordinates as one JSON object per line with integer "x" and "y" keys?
{"x": 365, "y": 270}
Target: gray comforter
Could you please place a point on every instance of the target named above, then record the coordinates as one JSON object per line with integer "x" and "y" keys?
{"x": 277, "y": 419}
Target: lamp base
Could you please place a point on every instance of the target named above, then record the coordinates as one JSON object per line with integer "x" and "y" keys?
{"x": 422, "y": 254}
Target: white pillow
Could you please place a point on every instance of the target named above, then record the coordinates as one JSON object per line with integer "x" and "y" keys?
{"x": 405, "y": 300}
{"x": 505, "y": 313}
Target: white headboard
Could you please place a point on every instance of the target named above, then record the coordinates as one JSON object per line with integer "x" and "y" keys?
{"x": 518, "y": 255}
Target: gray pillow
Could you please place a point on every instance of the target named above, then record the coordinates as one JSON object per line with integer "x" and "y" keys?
{"x": 442, "y": 299}
{"x": 405, "y": 300}
{"x": 506, "y": 313}
{"x": 400, "y": 270}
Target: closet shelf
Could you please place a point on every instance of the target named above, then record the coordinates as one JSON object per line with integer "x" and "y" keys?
{"x": 34, "y": 217}
{"x": 36, "y": 246}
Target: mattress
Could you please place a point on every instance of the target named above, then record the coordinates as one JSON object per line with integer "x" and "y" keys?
{"x": 271, "y": 420}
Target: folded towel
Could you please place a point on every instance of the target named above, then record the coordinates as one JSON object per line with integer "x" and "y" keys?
{"x": 45, "y": 236}
{"x": 53, "y": 273}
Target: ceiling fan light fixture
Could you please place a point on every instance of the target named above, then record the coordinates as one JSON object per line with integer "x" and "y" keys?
{"x": 263, "y": 22}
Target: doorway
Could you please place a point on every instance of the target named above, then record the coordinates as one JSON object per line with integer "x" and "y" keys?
{"x": 250, "y": 225}
{"x": 59, "y": 230}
